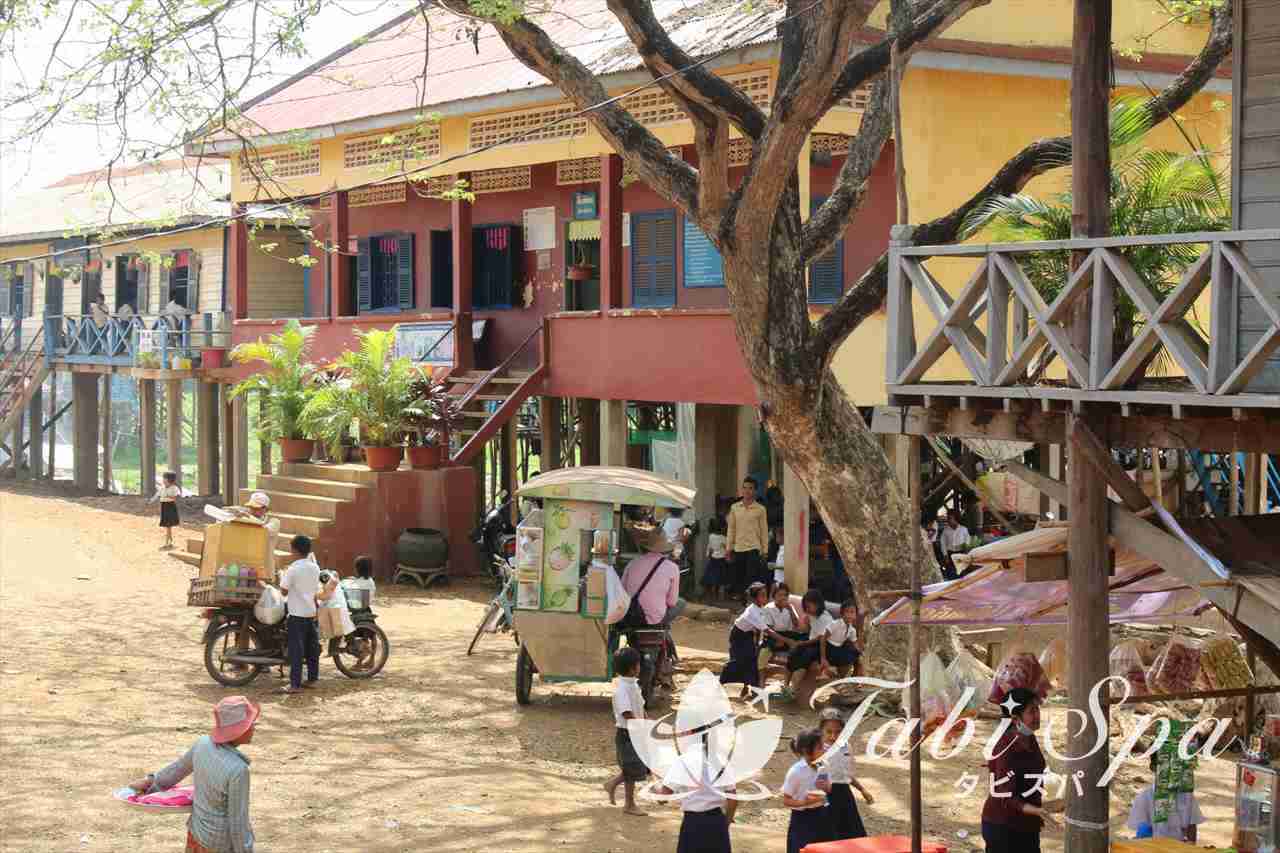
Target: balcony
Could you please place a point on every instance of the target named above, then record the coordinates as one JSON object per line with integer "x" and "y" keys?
{"x": 1015, "y": 347}
{"x": 139, "y": 342}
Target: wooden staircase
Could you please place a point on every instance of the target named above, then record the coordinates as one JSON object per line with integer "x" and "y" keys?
{"x": 21, "y": 373}
{"x": 488, "y": 400}
{"x": 307, "y": 499}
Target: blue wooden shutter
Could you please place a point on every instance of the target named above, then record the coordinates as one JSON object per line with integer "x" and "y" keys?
{"x": 404, "y": 270}
{"x": 826, "y": 274}
{"x": 364, "y": 275}
{"x": 653, "y": 259}
{"x": 480, "y": 274}
{"x": 703, "y": 266}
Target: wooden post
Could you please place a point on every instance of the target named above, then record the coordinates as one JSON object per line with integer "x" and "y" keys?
{"x": 589, "y": 431}
{"x": 1156, "y": 475}
{"x": 1056, "y": 508}
{"x": 912, "y": 487}
{"x": 51, "y": 469}
{"x": 173, "y": 426}
{"x": 464, "y": 347}
{"x": 613, "y": 432}
{"x": 240, "y": 409}
{"x": 106, "y": 433}
{"x": 84, "y": 394}
{"x": 206, "y": 437}
{"x": 1088, "y": 627}
{"x": 610, "y": 232}
{"x": 549, "y": 418}
{"x": 238, "y": 263}
{"x": 35, "y": 416}
{"x": 264, "y": 447}
{"x": 339, "y": 256}
{"x": 228, "y": 448}
{"x": 15, "y": 453}
{"x": 1252, "y": 471}
{"x": 1233, "y": 499}
{"x": 511, "y": 464}
{"x": 147, "y": 448}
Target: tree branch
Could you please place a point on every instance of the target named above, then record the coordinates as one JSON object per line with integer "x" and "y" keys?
{"x": 867, "y": 296}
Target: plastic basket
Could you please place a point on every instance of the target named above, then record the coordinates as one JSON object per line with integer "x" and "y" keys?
{"x": 206, "y": 592}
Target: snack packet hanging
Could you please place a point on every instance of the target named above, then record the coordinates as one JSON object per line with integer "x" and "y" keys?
{"x": 1053, "y": 660}
{"x": 1126, "y": 663}
{"x": 935, "y": 693}
{"x": 1224, "y": 665}
{"x": 967, "y": 671}
{"x": 1176, "y": 668}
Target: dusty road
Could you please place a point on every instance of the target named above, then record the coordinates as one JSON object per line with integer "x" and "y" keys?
{"x": 101, "y": 680}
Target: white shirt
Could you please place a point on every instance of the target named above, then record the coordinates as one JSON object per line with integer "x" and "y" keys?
{"x": 838, "y": 766}
{"x": 627, "y": 697}
{"x": 168, "y": 494}
{"x": 779, "y": 618}
{"x": 704, "y": 797}
{"x": 361, "y": 583}
{"x": 717, "y": 546}
{"x": 671, "y": 528}
{"x": 819, "y": 624}
{"x": 302, "y": 579}
{"x": 839, "y": 632}
{"x": 801, "y": 781}
{"x": 779, "y": 573}
{"x": 1183, "y": 812}
{"x": 752, "y": 619}
{"x": 954, "y": 540}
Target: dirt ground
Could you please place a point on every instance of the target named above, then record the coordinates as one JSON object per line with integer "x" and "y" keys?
{"x": 102, "y": 680}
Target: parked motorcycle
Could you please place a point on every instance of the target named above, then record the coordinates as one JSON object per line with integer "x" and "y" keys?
{"x": 238, "y": 647}
{"x": 496, "y": 538}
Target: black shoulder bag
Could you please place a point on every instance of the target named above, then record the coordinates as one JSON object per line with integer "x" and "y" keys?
{"x": 635, "y": 617}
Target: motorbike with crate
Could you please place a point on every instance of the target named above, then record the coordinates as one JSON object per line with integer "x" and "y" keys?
{"x": 238, "y": 646}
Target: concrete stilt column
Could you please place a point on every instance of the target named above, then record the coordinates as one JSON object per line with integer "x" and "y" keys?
{"x": 107, "y": 476}
{"x": 589, "y": 431}
{"x": 206, "y": 437}
{"x": 15, "y": 452}
{"x": 613, "y": 432}
{"x": 35, "y": 417}
{"x": 228, "y": 446}
{"x": 51, "y": 467}
{"x": 745, "y": 438}
{"x": 147, "y": 403}
{"x": 240, "y": 409}
{"x": 549, "y": 418}
{"x": 84, "y": 395}
{"x": 795, "y": 526}
{"x": 173, "y": 408}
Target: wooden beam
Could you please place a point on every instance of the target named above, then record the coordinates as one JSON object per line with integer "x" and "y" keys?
{"x": 35, "y": 415}
{"x": 106, "y": 433}
{"x": 945, "y": 459}
{"x": 1092, "y": 449}
{"x": 173, "y": 426}
{"x": 54, "y": 414}
{"x": 549, "y": 419}
{"x": 147, "y": 402}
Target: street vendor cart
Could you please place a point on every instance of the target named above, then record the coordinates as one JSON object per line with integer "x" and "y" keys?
{"x": 563, "y": 566}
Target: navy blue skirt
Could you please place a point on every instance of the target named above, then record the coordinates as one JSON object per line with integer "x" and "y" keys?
{"x": 744, "y": 661}
{"x": 808, "y": 826}
{"x": 845, "y": 820}
{"x": 846, "y": 654}
{"x": 716, "y": 573}
{"x": 704, "y": 832}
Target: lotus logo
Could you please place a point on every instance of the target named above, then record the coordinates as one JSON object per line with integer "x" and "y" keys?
{"x": 705, "y": 748}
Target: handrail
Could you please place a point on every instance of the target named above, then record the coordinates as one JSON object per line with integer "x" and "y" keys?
{"x": 974, "y": 250}
{"x": 493, "y": 374}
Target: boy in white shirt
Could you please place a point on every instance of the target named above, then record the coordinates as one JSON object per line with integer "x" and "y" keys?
{"x": 301, "y": 585}
{"x": 1184, "y": 814}
{"x": 628, "y": 704}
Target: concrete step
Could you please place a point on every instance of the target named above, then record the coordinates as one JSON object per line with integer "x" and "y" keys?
{"x": 351, "y": 473}
{"x": 307, "y": 525}
{"x": 272, "y": 483}
{"x": 304, "y": 504}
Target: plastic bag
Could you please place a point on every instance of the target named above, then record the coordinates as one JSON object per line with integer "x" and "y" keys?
{"x": 1176, "y": 668}
{"x": 618, "y": 597}
{"x": 270, "y": 607}
{"x": 967, "y": 671}
{"x": 1126, "y": 663}
{"x": 1053, "y": 660}
{"x": 1020, "y": 668}
{"x": 1224, "y": 664}
{"x": 935, "y": 693}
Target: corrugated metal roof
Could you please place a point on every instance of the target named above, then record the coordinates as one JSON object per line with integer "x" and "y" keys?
{"x": 385, "y": 74}
{"x": 169, "y": 191}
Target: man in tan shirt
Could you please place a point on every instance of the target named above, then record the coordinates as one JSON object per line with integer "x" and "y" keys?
{"x": 748, "y": 538}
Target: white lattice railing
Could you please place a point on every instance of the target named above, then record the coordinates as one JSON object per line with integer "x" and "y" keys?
{"x": 1005, "y": 332}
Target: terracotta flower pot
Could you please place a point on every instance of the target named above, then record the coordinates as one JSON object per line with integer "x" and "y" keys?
{"x": 383, "y": 458}
{"x": 425, "y": 458}
{"x": 296, "y": 449}
{"x": 582, "y": 272}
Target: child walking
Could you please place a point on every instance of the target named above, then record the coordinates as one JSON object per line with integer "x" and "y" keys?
{"x": 168, "y": 495}
{"x": 845, "y": 820}
{"x": 744, "y": 661}
{"x": 628, "y": 704}
{"x": 714, "y": 577}
{"x": 805, "y": 793}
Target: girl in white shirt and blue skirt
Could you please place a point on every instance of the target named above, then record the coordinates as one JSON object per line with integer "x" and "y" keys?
{"x": 846, "y": 822}
{"x": 744, "y": 640}
{"x": 804, "y": 791}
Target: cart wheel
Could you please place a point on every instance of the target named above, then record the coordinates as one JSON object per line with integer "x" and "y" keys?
{"x": 524, "y": 676}
{"x": 222, "y": 642}
{"x": 362, "y": 653}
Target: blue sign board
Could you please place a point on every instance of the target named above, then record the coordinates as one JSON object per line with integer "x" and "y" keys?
{"x": 703, "y": 266}
{"x": 584, "y": 205}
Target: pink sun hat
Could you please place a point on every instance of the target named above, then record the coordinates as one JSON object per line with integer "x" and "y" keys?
{"x": 232, "y": 717}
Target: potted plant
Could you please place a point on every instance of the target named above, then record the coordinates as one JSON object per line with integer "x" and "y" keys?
{"x": 287, "y": 383}
{"x": 430, "y": 418}
{"x": 374, "y": 391}
{"x": 580, "y": 270}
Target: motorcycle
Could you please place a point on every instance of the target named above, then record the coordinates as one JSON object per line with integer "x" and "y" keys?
{"x": 238, "y": 648}
{"x": 496, "y": 538}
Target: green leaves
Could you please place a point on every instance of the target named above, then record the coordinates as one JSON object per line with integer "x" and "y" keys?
{"x": 287, "y": 380}
{"x": 372, "y": 387}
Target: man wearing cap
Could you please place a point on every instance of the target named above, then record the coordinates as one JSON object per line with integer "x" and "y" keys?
{"x": 220, "y": 809}
{"x": 258, "y": 504}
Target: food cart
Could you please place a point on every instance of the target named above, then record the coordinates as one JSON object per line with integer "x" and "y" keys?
{"x": 562, "y": 565}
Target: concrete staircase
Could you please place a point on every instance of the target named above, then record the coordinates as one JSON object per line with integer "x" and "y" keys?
{"x": 306, "y": 498}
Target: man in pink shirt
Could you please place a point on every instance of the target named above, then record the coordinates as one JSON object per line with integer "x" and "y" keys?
{"x": 660, "y": 597}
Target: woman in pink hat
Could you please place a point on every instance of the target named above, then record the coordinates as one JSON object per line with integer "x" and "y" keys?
{"x": 220, "y": 808}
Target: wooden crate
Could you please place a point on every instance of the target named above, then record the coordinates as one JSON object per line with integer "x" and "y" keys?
{"x": 204, "y": 592}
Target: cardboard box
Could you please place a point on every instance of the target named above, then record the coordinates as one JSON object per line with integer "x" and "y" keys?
{"x": 240, "y": 542}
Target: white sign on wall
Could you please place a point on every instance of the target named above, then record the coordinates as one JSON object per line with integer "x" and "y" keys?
{"x": 149, "y": 341}
{"x": 626, "y": 229}
{"x": 539, "y": 229}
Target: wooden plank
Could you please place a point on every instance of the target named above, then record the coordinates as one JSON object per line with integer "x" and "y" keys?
{"x": 1092, "y": 449}
{"x": 1252, "y": 364}
{"x": 901, "y": 340}
{"x": 1200, "y": 694}
{"x": 1253, "y": 281}
{"x": 1075, "y": 361}
{"x": 997, "y": 319}
{"x": 966, "y": 341}
{"x": 1077, "y": 395}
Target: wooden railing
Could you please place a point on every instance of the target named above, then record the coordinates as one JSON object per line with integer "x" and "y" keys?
{"x": 139, "y": 341}
{"x": 1006, "y": 333}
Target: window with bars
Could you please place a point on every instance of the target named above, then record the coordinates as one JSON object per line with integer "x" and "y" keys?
{"x": 384, "y": 273}
{"x": 653, "y": 259}
{"x": 826, "y": 274}
{"x": 16, "y": 289}
{"x": 182, "y": 283}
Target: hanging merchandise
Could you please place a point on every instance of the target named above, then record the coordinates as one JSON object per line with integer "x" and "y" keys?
{"x": 1020, "y": 668}
{"x": 935, "y": 693}
{"x": 1053, "y": 660}
{"x": 966, "y": 671}
{"x": 1126, "y": 663}
{"x": 1174, "y": 774}
{"x": 1177, "y": 668}
{"x": 1225, "y": 666}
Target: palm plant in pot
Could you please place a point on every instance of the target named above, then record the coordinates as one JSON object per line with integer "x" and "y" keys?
{"x": 430, "y": 418}
{"x": 287, "y": 382}
{"x": 374, "y": 391}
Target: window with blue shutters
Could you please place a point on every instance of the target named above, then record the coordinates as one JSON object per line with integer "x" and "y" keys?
{"x": 826, "y": 274}
{"x": 703, "y": 266}
{"x": 653, "y": 259}
{"x": 384, "y": 273}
